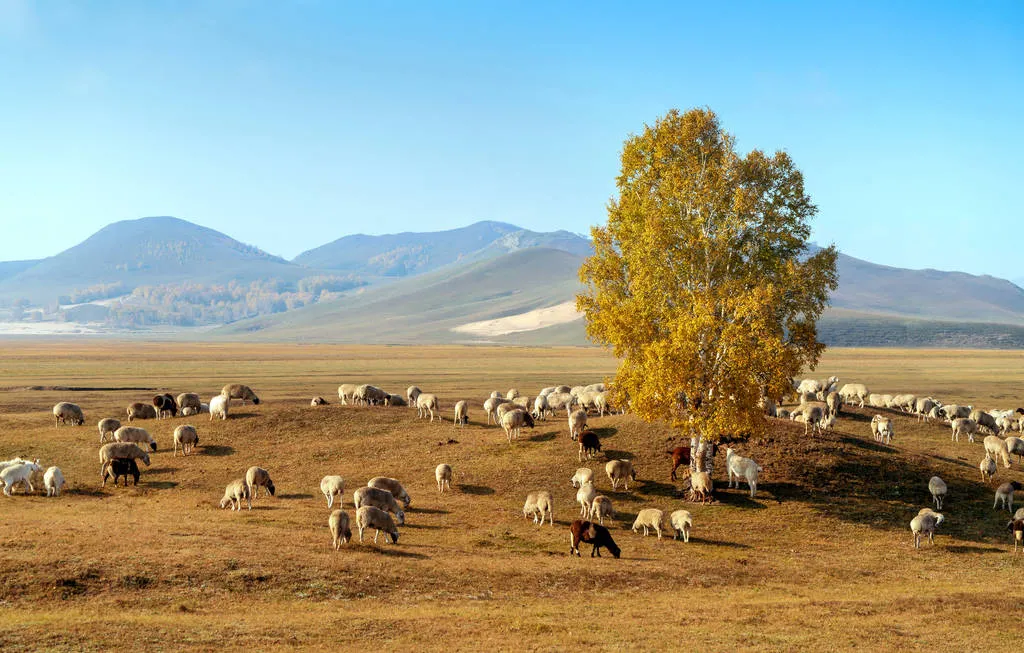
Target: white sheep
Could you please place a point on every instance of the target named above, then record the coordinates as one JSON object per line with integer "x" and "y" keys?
{"x": 393, "y": 486}
{"x": 938, "y": 489}
{"x": 256, "y": 478}
{"x": 740, "y": 467}
{"x": 513, "y": 422}
{"x": 537, "y": 505}
{"x": 987, "y": 467}
{"x": 620, "y": 470}
{"x": 219, "y": 407}
{"x": 560, "y": 400}
{"x": 585, "y": 496}
{"x": 491, "y": 408}
{"x": 191, "y": 401}
{"x": 139, "y": 436}
{"x": 1004, "y": 495}
{"x": 1015, "y": 445}
{"x": 426, "y": 403}
{"x": 346, "y": 393}
{"x": 854, "y": 391}
{"x": 333, "y": 486}
{"x": 67, "y": 413}
{"x": 647, "y": 519}
{"x": 462, "y": 412}
{"x": 582, "y": 475}
{"x": 600, "y": 508}
{"x": 681, "y": 522}
{"x": 577, "y": 423}
{"x": 236, "y": 492}
{"x": 107, "y": 426}
{"x": 701, "y": 486}
{"x": 996, "y": 447}
{"x": 963, "y": 426}
{"x": 340, "y": 531}
{"x": 443, "y": 476}
{"x": 53, "y": 481}
{"x": 374, "y": 517}
{"x": 186, "y": 437}
{"x": 925, "y": 523}
{"x": 882, "y": 429}
{"x": 19, "y": 473}
{"x": 512, "y": 394}
{"x": 376, "y": 497}
{"x": 541, "y": 407}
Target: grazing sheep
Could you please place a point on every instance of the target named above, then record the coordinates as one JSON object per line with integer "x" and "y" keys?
{"x": 1016, "y": 528}
{"x": 393, "y": 486}
{"x": 235, "y": 493}
{"x": 585, "y": 532}
{"x": 501, "y": 409}
{"x": 809, "y": 386}
{"x": 1015, "y": 445}
{"x": 369, "y": 395}
{"x": 810, "y": 415}
{"x": 647, "y": 519}
{"x": 135, "y": 434}
{"x": 984, "y": 420}
{"x": 906, "y": 403}
{"x": 537, "y": 505}
{"x": 340, "y": 532}
{"x": 827, "y": 424}
{"x": 878, "y": 401}
{"x": 394, "y": 400}
{"x": 924, "y": 408}
{"x": 963, "y": 426}
{"x": 925, "y": 523}
{"x": 190, "y": 400}
{"x": 523, "y": 402}
{"x": 491, "y": 408}
{"x": 833, "y": 404}
{"x": 53, "y": 481}
{"x": 512, "y": 394}
{"x": 318, "y": 401}
{"x": 107, "y": 426}
{"x": 19, "y": 473}
{"x": 602, "y": 403}
{"x": 141, "y": 410}
{"x": 680, "y": 456}
{"x": 953, "y": 411}
{"x": 938, "y": 489}
{"x": 122, "y": 467}
{"x": 219, "y": 407}
{"x": 1007, "y": 423}
{"x": 587, "y": 400}
{"x": 1004, "y": 495}
{"x": 411, "y": 393}
{"x": 189, "y": 411}
{"x": 333, "y": 486}
{"x": 256, "y": 478}
{"x": 239, "y": 391}
{"x": 582, "y": 475}
{"x": 426, "y": 404}
{"x": 590, "y": 444}
{"x": 165, "y": 406}
{"x": 67, "y": 413}
{"x": 559, "y": 400}
{"x": 443, "y": 476}
{"x": 373, "y": 517}
{"x": 541, "y": 407}
{"x": 740, "y": 467}
{"x": 462, "y": 412}
{"x": 881, "y": 429}
{"x": 585, "y": 497}
{"x": 620, "y": 470}
{"x": 347, "y": 391}
{"x": 987, "y": 467}
{"x": 600, "y": 508}
{"x": 681, "y": 522}
{"x": 996, "y": 447}
{"x": 701, "y": 486}
{"x": 854, "y": 392}
{"x": 113, "y": 450}
{"x": 514, "y": 421}
{"x": 371, "y": 496}
{"x": 577, "y": 423}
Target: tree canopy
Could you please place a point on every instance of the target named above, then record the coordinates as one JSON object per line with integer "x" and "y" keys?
{"x": 702, "y": 282}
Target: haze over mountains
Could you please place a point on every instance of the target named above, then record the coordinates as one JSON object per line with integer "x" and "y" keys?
{"x": 483, "y": 282}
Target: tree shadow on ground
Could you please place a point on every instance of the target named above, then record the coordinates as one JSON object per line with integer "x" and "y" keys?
{"x": 739, "y": 498}
{"x": 216, "y": 450}
{"x": 870, "y": 445}
{"x": 478, "y": 490}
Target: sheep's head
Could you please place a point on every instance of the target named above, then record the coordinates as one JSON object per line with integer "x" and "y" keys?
{"x": 271, "y": 488}
{"x": 225, "y": 502}
{"x": 145, "y": 458}
{"x": 528, "y": 419}
{"x": 394, "y": 536}
{"x": 400, "y": 515}
{"x": 632, "y": 474}
{"x": 152, "y": 445}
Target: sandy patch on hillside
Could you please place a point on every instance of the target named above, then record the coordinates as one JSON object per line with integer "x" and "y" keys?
{"x": 46, "y": 329}
{"x": 529, "y": 321}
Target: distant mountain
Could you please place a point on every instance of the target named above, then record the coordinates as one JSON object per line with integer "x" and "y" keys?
{"x": 410, "y": 253}
{"x": 10, "y": 268}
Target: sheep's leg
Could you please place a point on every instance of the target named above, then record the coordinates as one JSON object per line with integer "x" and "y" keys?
{"x": 375, "y": 534}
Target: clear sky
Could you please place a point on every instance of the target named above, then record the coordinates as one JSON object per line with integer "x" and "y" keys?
{"x": 288, "y": 124}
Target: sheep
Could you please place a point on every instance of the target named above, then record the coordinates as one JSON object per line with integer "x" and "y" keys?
{"x": 541, "y": 407}
{"x": 382, "y": 499}
{"x": 1015, "y": 445}
{"x": 512, "y": 394}
{"x": 411, "y": 393}
{"x": 17, "y": 460}
{"x": 318, "y": 401}
{"x": 577, "y": 423}
{"x": 394, "y": 400}
{"x": 701, "y": 486}
{"x": 496, "y": 394}
{"x": 938, "y": 489}
{"x": 122, "y": 467}
{"x": 854, "y": 391}
{"x": 952, "y": 411}
{"x": 189, "y": 411}
{"x": 812, "y": 386}
{"x": 1004, "y": 494}
{"x": 373, "y": 517}
{"x": 523, "y": 402}
{"x": 925, "y": 523}
{"x": 393, "y": 486}
{"x": 501, "y": 409}
{"x": 369, "y": 395}
{"x": 585, "y": 497}
{"x": 256, "y": 478}
{"x": 1016, "y": 527}
{"x": 602, "y": 403}
{"x": 878, "y": 401}
{"x": 587, "y": 400}
{"x": 219, "y": 407}
{"x": 346, "y": 392}
{"x": 66, "y": 412}
{"x": 924, "y": 408}
{"x": 53, "y": 481}
{"x": 107, "y": 426}
{"x": 833, "y": 404}
{"x": 996, "y": 447}
{"x": 582, "y": 475}
{"x": 811, "y": 416}
{"x": 19, "y": 473}
{"x": 239, "y": 391}
{"x": 963, "y": 425}
{"x": 581, "y": 531}
{"x": 513, "y": 422}
{"x": 987, "y": 467}
{"x": 427, "y": 403}
{"x": 740, "y": 467}
{"x": 537, "y": 505}
{"x": 680, "y": 456}
{"x": 620, "y": 470}
{"x": 881, "y": 429}
{"x": 461, "y": 412}
{"x": 827, "y": 424}
{"x": 113, "y": 450}
{"x": 443, "y": 476}
{"x": 560, "y": 400}
{"x": 236, "y": 491}
{"x": 165, "y": 406}
{"x": 590, "y": 444}
{"x": 491, "y": 407}
{"x": 1007, "y": 423}
{"x": 135, "y": 434}
{"x": 340, "y": 531}
{"x": 333, "y": 486}
{"x": 647, "y": 519}
{"x": 190, "y": 400}
{"x": 600, "y": 508}
{"x": 561, "y": 388}
{"x": 905, "y": 402}
{"x": 681, "y": 521}
{"x": 140, "y": 410}
{"x": 985, "y": 420}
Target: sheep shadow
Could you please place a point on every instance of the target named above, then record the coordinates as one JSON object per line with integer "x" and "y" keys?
{"x": 395, "y": 552}
{"x": 158, "y": 470}
{"x": 233, "y": 415}
{"x": 869, "y": 445}
{"x": 428, "y": 511}
{"x": 478, "y": 490}
{"x": 605, "y": 431}
{"x": 854, "y": 417}
{"x": 615, "y": 454}
{"x": 543, "y": 437}
{"x": 161, "y": 485}
{"x": 738, "y": 499}
{"x": 420, "y": 526}
{"x": 85, "y": 492}
{"x": 951, "y": 461}
{"x": 707, "y": 542}
{"x": 295, "y": 495}
{"x": 965, "y": 548}
{"x": 217, "y": 450}
{"x": 657, "y": 488}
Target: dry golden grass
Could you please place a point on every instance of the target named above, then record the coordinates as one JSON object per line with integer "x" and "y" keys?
{"x": 821, "y": 559}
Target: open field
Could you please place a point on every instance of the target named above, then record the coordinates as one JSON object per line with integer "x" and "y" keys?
{"x": 821, "y": 559}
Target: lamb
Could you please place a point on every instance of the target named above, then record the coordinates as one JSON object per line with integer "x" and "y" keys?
{"x": 740, "y": 467}
{"x": 925, "y": 523}
{"x": 996, "y": 447}
{"x": 537, "y": 505}
{"x": 987, "y": 467}
{"x": 680, "y": 456}
{"x": 382, "y": 499}
{"x": 681, "y": 522}
{"x": 373, "y": 517}
{"x": 963, "y": 426}
{"x": 165, "y": 405}
{"x": 881, "y": 429}
{"x": 1016, "y": 527}
{"x": 19, "y": 473}
{"x": 491, "y": 408}
{"x": 1004, "y": 495}
{"x": 256, "y": 478}
{"x": 647, "y": 519}
{"x": 462, "y": 412}
{"x": 318, "y": 401}
{"x": 235, "y": 493}
{"x": 427, "y": 403}
{"x": 140, "y": 410}
{"x": 701, "y": 486}
{"x": 600, "y": 508}
{"x": 53, "y": 481}
{"x": 219, "y": 407}
{"x": 590, "y": 444}
{"x": 333, "y": 486}
{"x": 854, "y": 391}
{"x": 122, "y": 467}
{"x": 582, "y": 475}
{"x": 581, "y": 531}
{"x": 347, "y": 391}
{"x": 620, "y": 470}
{"x": 938, "y": 489}
{"x": 190, "y": 401}
{"x": 340, "y": 532}
{"x": 393, "y": 486}
{"x": 67, "y": 413}
{"x": 113, "y": 450}
{"x": 541, "y": 407}
{"x": 513, "y": 422}
{"x": 585, "y": 497}
{"x": 443, "y": 476}
{"x": 239, "y": 391}
{"x": 577, "y": 423}
{"x": 983, "y": 419}
{"x": 1015, "y": 445}
{"x": 107, "y": 426}
{"x": 411, "y": 393}
{"x": 135, "y": 434}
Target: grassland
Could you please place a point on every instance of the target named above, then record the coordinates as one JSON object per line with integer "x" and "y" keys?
{"x": 821, "y": 559}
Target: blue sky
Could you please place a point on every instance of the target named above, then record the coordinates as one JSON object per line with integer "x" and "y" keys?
{"x": 289, "y": 124}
